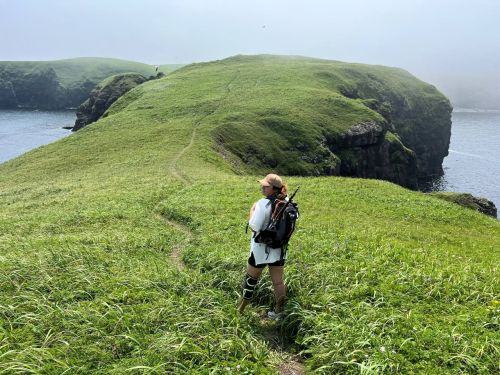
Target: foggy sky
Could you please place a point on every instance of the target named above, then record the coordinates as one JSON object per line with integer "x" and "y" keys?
{"x": 453, "y": 44}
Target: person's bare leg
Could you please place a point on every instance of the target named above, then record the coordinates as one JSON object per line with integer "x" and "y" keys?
{"x": 255, "y": 273}
{"x": 279, "y": 286}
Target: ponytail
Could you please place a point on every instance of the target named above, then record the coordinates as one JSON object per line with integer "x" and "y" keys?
{"x": 283, "y": 192}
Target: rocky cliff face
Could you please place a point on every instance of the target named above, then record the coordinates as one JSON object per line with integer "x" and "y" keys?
{"x": 38, "y": 89}
{"x": 8, "y": 97}
{"x": 105, "y": 94}
{"x": 368, "y": 150}
{"x": 423, "y": 124}
{"x": 317, "y": 117}
{"x": 410, "y": 146}
{"x": 58, "y": 84}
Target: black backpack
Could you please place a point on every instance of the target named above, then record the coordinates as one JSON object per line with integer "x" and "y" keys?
{"x": 284, "y": 214}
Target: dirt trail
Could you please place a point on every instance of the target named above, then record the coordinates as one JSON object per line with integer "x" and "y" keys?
{"x": 291, "y": 365}
{"x": 174, "y": 167}
{"x": 175, "y": 254}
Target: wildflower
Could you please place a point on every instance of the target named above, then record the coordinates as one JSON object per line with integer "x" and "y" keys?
{"x": 382, "y": 349}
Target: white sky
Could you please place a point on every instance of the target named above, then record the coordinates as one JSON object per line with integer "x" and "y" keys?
{"x": 437, "y": 40}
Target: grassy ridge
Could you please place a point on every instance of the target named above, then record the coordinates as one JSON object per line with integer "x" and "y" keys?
{"x": 71, "y": 71}
{"x": 62, "y": 83}
{"x": 291, "y": 113}
{"x": 380, "y": 278}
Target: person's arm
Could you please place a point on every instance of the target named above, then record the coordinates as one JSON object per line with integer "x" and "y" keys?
{"x": 252, "y": 211}
{"x": 257, "y": 218}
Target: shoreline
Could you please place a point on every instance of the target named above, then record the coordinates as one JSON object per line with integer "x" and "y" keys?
{"x": 23, "y": 130}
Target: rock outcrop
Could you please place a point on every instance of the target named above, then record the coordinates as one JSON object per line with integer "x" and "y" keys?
{"x": 7, "y": 94}
{"x": 422, "y": 118}
{"x": 363, "y": 134}
{"x": 317, "y": 117}
{"x": 482, "y": 205}
{"x": 40, "y": 88}
{"x": 105, "y": 94}
{"x": 368, "y": 150}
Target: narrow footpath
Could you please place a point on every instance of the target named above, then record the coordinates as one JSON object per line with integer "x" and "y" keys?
{"x": 291, "y": 364}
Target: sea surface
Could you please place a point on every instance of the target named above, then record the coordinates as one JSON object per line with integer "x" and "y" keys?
{"x": 473, "y": 161}
{"x": 24, "y": 130}
{"x": 472, "y": 166}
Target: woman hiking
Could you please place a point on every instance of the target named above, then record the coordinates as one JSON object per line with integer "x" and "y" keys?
{"x": 272, "y": 187}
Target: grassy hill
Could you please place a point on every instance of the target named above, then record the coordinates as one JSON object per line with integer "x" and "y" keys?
{"x": 65, "y": 83}
{"x": 104, "y": 95}
{"x": 123, "y": 249}
{"x": 293, "y": 114}
{"x": 71, "y": 71}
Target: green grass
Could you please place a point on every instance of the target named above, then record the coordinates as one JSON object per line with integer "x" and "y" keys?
{"x": 62, "y": 84}
{"x": 280, "y": 112}
{"x": 380, "y": 279}
{"x": 72, "y": 71}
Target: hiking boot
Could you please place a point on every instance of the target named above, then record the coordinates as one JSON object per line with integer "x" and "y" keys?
{"x": 274, "y": 315}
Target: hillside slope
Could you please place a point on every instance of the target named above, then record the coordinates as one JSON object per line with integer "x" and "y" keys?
{"x": 104, "y": 95}
{"x": 306, "y": 116}
{"x": 62, "y": 83}
{"x": 123, "y": 248}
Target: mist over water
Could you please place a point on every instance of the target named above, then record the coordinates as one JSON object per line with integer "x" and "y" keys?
{"x": 24, "y": 130}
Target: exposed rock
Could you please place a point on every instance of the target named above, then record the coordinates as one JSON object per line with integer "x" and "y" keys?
{"x": 485, "y": 206}
{"x": 7, "y": 94}
{"x": 423, "y": 125}
{"x": 482, "y": 205}
{"x": 58, "y": 84}
{"x": 105, "y": 94}
{"x": 367, "y": 150}
{"x": 423, "y": 128}
{"x": 350, "y": 119}
{"x": 40, "y": 89}
{"x": 80, "y": 91}
{"x": 363, "y": 134}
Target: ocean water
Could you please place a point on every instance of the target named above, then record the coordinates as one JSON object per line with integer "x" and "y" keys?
{"x": 473, "y": 162}
{"x": 24, "y": 130}
{"x": 472, "y": 166}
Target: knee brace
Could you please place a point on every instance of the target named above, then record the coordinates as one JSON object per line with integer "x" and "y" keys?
{"x": 249, "y": 284}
